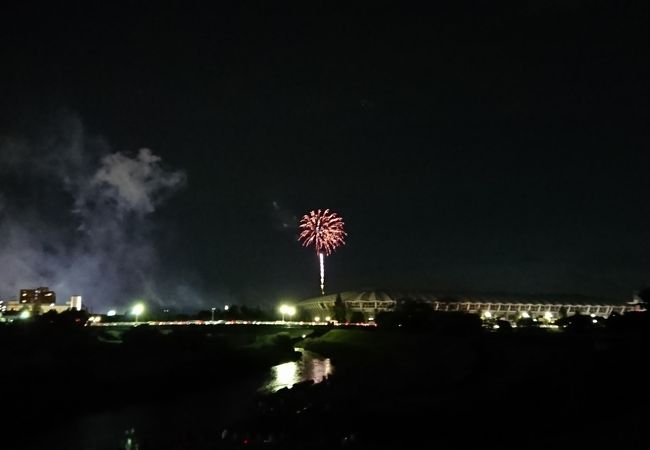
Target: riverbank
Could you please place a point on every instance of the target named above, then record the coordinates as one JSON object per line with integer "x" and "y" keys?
{"x": 87, "y": 387}
{"x": 396, "y": 389}
{"x": 391, "y": 389}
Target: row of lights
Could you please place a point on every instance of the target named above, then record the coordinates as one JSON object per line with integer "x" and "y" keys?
{"x": 138, "y": 309}
{"x": 285, "y": 310}
{"x": 548, "y": 315}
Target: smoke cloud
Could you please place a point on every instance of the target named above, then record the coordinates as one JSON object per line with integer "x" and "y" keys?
{"x": 78, "y": 217}
{"x": 134, "y": 184}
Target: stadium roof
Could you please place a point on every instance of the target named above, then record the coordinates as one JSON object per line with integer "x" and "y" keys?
{"x": 424, "y": 296}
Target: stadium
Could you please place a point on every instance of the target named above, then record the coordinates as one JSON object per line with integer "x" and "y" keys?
{"x": 509, "y": 307}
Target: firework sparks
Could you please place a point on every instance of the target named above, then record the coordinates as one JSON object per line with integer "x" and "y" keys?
{"x": 323, "y": 230}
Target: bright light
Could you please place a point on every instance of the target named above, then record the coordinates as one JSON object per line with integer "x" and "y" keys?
{"x": 548, "y": 315}
{"x": 593, "y": 315}
{"x": 316, "y": 319}
{"x": 111, "y": 313}
{"x": 285, "y": 375}
{"x": 594, "y": 321}
{"x": 371, "y": 319}
{"x": 25, "y": 314}
{"x": 525, "y": 315}
{"x": 284, "y": 309}
{"x": 287, "y": 310}
{"x": 138, "y": 309}
{"x": 487, "y": 315}
{"x": 226, "y": 308}
{"x": 496, "y": 327}
{"x": 321, "y": 259}
{"x": 327, "y": 318}
{"x": 304, "y": 336}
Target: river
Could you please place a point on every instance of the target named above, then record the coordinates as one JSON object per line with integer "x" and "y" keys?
{"x": 192, "y": 419}
{"x": 310, "y": 366}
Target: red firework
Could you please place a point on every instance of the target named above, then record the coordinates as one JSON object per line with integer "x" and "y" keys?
{"x": 323, "y": 230}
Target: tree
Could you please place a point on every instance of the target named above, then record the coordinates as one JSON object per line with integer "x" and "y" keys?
{"x": 644, "y": 296}
{"x": 387, "y": 319}
{"x": 415, "y": 314}
{"x": 357, "y": 317}
{"x": 526, "y": 322}
{"x": 339, "y": 312}
{"x": 204, "y": 315}
{"x": 576, "y": 323}
{"x": 37, "y": 309}
{"x": 50, "y": 316}
{"x": 303, "y": 315}
{"x": 504, "y": 326}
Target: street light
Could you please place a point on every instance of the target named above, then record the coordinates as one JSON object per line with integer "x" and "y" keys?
{"x": 138, "y": 309}
{"x": 226, "y": 308}
{"x": 288, "y": 310}
{"x": 213, "y": 313}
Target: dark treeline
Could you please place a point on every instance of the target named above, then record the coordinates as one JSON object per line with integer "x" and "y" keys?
{"x": 419, "y": 316}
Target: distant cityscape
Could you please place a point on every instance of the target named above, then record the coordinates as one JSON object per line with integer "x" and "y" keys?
{"x": 359, "y": 307}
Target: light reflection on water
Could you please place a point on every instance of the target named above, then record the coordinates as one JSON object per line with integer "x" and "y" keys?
{"x": 155, "y": 422}
{"x": 309, "y": 367}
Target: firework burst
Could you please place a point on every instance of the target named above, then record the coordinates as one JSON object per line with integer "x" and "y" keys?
{"x": 324, "y": 230}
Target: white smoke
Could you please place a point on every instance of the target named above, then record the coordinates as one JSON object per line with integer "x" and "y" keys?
{"x": 77, "y": 217}
{"x": 136, "y": 184}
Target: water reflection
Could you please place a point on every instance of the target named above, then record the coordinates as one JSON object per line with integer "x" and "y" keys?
{"x": 309, "y": 367}
{"x": 285, "y": 374}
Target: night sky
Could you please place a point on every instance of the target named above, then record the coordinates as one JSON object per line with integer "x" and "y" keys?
{"x": 481, "y": 147}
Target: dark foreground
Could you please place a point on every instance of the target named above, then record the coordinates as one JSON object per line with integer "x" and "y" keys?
{"x": 524, "y": 389}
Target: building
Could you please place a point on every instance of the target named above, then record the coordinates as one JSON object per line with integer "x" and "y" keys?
{"x": 75, "y": 302}
{"x": 509, "y": 307}
{"x": 40, "y": 295}
{"x": 39, "y": 300}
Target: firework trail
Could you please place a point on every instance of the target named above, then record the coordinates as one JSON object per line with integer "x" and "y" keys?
{"x": 324, "y": 230}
